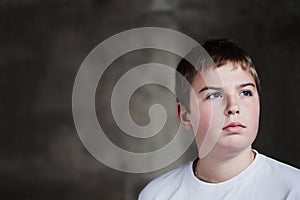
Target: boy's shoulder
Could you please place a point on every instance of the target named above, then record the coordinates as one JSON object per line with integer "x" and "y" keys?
{"x": 282, "y": 178}
{"x": 168, "y": 182}
{"x": 282, "y": 170}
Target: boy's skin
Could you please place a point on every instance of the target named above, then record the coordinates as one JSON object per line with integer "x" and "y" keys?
{"x": 227, "y": 101}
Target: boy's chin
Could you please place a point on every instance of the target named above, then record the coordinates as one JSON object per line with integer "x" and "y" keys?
{"x": 234, "y": 143}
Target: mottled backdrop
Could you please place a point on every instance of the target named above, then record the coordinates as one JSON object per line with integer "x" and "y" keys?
{"x": 42, "y": 45}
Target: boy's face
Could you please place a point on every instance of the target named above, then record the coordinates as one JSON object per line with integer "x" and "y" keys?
{"x": 224, "y": 112}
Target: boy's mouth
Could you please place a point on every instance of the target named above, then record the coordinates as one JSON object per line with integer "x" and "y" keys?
{"x": 233, "y": 126}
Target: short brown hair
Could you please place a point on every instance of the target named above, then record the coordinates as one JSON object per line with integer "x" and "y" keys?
{"x": 215, "y": 53}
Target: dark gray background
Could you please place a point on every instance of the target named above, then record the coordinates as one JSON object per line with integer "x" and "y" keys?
{"x": 43, "y": 44}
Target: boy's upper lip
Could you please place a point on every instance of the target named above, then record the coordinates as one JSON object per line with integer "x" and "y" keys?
{"x": 234, "y": 124}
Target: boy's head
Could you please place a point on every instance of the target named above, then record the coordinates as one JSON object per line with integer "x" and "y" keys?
{"x": 220, "y": 52}
{"x": 220, "y": 100}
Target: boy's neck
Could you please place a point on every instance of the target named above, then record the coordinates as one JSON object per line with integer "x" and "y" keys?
{"x": 214, "y": 169}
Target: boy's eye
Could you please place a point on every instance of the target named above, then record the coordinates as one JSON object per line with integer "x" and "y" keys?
{"x": 214, "y": 95}
{"x": 246, "y": 93}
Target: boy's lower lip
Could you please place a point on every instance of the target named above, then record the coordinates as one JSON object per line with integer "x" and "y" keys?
{"x": 233, "y": 128}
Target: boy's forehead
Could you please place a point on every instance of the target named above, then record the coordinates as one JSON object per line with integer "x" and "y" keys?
{"x": 223, "y": 75}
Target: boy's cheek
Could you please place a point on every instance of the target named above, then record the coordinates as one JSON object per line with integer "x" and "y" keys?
{"x": 253, "y": 111}
{"x": 205, "y": 121}
{"x": 254, "y": 117}
{"x": 209, "y": 130}
{"x": 212, "y": 119}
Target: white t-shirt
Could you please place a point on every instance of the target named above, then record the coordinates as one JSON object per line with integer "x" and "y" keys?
{"x": 264, "y": 179}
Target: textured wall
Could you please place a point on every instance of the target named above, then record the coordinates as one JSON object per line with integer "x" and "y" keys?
{"x": 43, "y": 44}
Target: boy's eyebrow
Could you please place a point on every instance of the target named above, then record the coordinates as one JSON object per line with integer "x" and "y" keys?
{"x": 218, "y": 88}
{"x": 247, "y": 84}
{"x": 209, "y": 88}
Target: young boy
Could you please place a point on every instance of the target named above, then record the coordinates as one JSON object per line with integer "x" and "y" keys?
{"x": 222, "y": 109}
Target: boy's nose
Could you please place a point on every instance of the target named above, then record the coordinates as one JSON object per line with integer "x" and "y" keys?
{"x": 233, "y": 110}
{"x": 232, "y": 107}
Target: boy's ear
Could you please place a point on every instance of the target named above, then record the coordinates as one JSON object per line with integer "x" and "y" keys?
{"x": 183, "y": 116}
